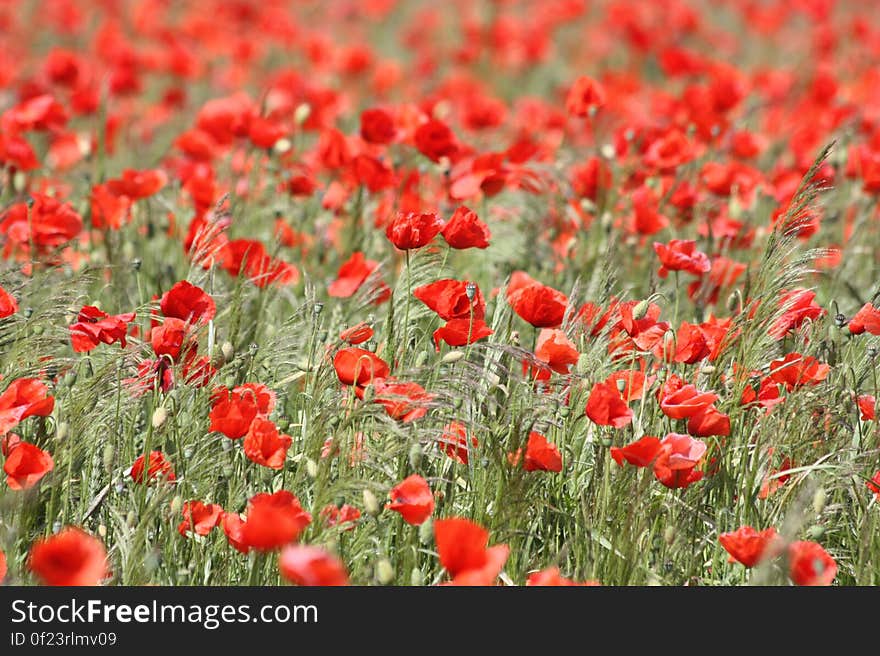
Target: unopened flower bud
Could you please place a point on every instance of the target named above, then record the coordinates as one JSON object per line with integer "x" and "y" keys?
{"x": 384, "y": 571}
{"x": 452, "y": 356}
{"x": 371, "y": 505}
{"x": 160, "y": 414}
{"x": 641, "y": 309}
{"x": 819, "y": 499}
{"x": 301, "y": 113}
{"x": 311, "y": 468}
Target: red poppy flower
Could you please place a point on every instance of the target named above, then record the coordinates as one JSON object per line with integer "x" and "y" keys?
{"x": 591, "y": 178}
{"x": 25, "y": 465}
{"x": 264, "y": 445}
{"x": 357, "y": 334}
{"x": 187, "y": 302}
{"x": 307, "y": 565}
{"x": 461, "y": 332}
{"x": 809, "y": 564}
{"x": 8, "y": 304}
{"x": 249, "y": 258}
{"x": 874, "y": 484}
{"x": 585, "y": 95}
{"x": 539, "y": 305}
{"x": 679, "y": 455}
{"x": 749, "y": 546}
{"x": 352, "y": 274}
{"x": 413, "y": 499}
{"x": 410, "y": 230}
{"x": 377, "y": 126}
{"x": 272, "y": 521}
{"x": 47, "y": 224}
{"x": 156, "y": 466}
{"x": 689, "y": 346}
{"x": 551, "y": 577}
{"x": 355, "y": 366}
{"x": 681, "y": 255}
{"x": 796, "y": 370}
{"x": 403, "y": 401}
{"x": 646, "y": 218}
{"x": 709, "y": 421}
{"x": 542, "y": 455}
{"x": 681, "y": 401}
{"x": 454, "y": 442}
{"x": 344, "y": 514}
{"x": 867, "y": 407}
{"x": 640, "y": 453}
{"x": 866, "y": 319}
{"x": 138, "y": 184}
{"x": 556, "y": 349}
{"x": 435, "y": 140}
{"x": 169, "y": 337}
{"x": 462, "y": 547}
{"x": 232, "y": 412}
{"x": 25, "y": 397}
{"x": 450, "y": 299}
{"x": 466, "y": 230}
{"x": 199, "y": 518}
{"x": 605, "y": 406}
{"x": 70, "y": 557}
{"x": 94, "y": 326}
{"x": 263, "y": 396}
{"x": 799, "y": 307}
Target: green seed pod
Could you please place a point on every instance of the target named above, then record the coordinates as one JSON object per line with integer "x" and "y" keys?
{"x": 669, "y": 535}
{"x": 371, "y": 505}
{"x": 131, "y": 518}
{"x": 819, "y": 499}
{"x": 415, "y": 455}
{"x": 452, "y": 356}
{"x": 384, "y": 571}
{"x": 416, "y": 578}
{"x": 109, "y": 457}
{"x": 160, "y": 414}
{"x": 641, "y": 309}
{"x": 815, "y": 532}
{"x": 62, "y": 431}
{"x": 176, "y": 505}
{"x": 426, "y": 532}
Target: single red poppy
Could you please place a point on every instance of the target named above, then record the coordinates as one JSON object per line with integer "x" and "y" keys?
{"x": 264, "y": 445}
{"x": 542, "y": 455}
{"x": 25, "y": 465}
{"x": 170, "y": 338}
{"x": 148, "y": 469}
{"x": 272, "y": 521}
{"x": 556, "y": 349}
{"x": 312, "y": 566}
{"x": 675, "y": 465}
{"x": 8, "y": 304}
{"x": 200, "y": 518}
{"x": 461, "y": 332}
{"x": 352, "y": 274}
{"x": 605, "y": 406}
{"x": 93, "y": 327}
{"x": 681, "y": 255}
{"x": 450, "y": 299}
{"x": 70, "y": 557}
{"x": 809, "y": 564}
{"x": 25, "y": 397}
{"x": 435, "y": 140}
{"x": 357, "y": 334}
{"x": 413, "y": 499}
{"x": 462, "y": 547}
{"x": 411, "y": 230}
{"x": 796, "y": 370}
{"x": 355, "y": 366}
{"x": 232, "y": 412}
{"x": 466, "y": 230}
{"x": 403, "y": 401}
{"x": 187, "y": 302}
{"x": 866, "y": 319}
{"x": 749, "y": 546}
{"x": 337, "y": 516}
{"x": 585, "y": 95}
{"x": 454, "y": 442}
{"x": 539, "y": 305}
{"x": 377, "y": 126}
{"x": 550, "y": 576}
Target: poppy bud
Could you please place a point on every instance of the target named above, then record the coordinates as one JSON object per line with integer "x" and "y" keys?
{"x": 452, "y": 356}
{"x": 384, "y": 572}
{"x": 371, "y": 505}
{"x": 301, "y": 113}
{"x": 416, "y": 578}
{"x": 228, "y": 351}
{"x": 669, "y": 535}
{"x": 160, "y": 414}
{"x": 641, "y": 310}
{"x": 415, "y": 455}
{"x": 815, "y": 532}
{"x": 311, "y": 468}
{"x": 61, "y": 432}
{"x": 131, "y": 518}
{"x": 456, "y": 402}
{"x": 734, "y": 301}
{"x": 607, "y": 151}
{"x": 421, "y": 359}
{"x": 426, "y": 532}
{"x": 176, "y": 505}
{"x": 18, "y": 182}
{"x": 282, "y": 146}
{"x": 564, "y": 411}
{"x": 583, "y": 364}
{"x": 819, "y": 501}
{"x": 109, "y": 457}
{"x": 707, "y": 370}
{"x": 102, "y": 531}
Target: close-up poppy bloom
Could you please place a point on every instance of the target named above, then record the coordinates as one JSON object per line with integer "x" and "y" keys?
{"x": 407, "y": 293}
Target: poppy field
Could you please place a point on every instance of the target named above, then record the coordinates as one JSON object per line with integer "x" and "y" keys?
{"x": 388, "y": 292}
